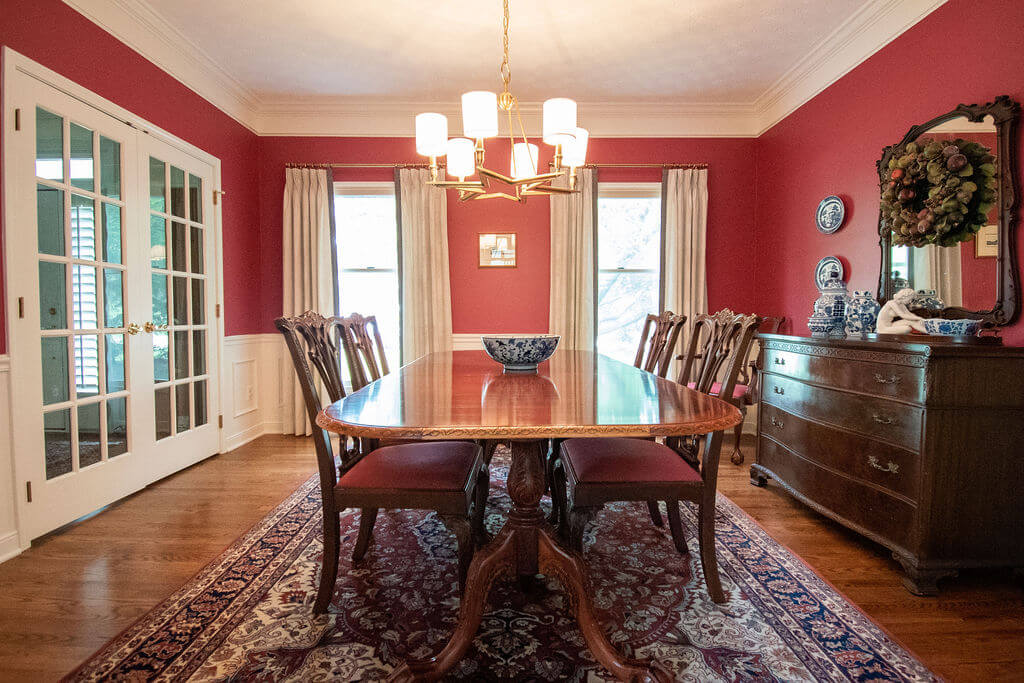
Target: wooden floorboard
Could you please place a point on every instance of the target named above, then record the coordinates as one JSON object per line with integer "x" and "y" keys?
{"x": 77, "y": 588}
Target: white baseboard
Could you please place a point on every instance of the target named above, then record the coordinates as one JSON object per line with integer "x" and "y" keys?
{"x": 9, "y": 546}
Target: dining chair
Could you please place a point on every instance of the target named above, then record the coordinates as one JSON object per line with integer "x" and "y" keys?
{"x": 653, "y": 354}
{"x": 448, "y": 477}
{"x": 593, "y": 472}
{"x": 747, "y": 384}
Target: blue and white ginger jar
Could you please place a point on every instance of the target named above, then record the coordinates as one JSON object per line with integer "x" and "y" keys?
{"x": 927, "y": 299}
{"x": 861, "y": 313}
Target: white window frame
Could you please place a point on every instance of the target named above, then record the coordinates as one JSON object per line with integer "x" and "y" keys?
{"x": 644, "y": 190}
{"x": 363, "y": 188}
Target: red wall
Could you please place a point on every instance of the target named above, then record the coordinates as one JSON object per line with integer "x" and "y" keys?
{"x": 58, "y": 37}
{"x": 963, "y": 52}
{"x": 516, "y": 300}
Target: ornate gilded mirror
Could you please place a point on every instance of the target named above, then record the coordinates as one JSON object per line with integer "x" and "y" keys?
{"x": 946, "y": 224}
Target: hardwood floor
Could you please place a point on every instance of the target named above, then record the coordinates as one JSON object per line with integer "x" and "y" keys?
{"x": 79, "y": 587}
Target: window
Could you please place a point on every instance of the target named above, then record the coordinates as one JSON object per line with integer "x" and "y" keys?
{"x": 366, "y": 245}
{"x": 628, "y": 264}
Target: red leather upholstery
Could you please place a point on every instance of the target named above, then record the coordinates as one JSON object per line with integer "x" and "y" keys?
{"x": 621, "y": 460}
{"x": 424, "y": 466}
{"x": 739, "y": 391}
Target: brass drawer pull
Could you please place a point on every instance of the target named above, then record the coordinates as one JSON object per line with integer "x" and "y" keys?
{"x": 883, "y": 419}
{"x": 892, "y": 379}
{"x": 890, "y": 467}
{"x": 780, "y": 361}
{"x": 777, "y": 423}
{"x": 780, "y": 391}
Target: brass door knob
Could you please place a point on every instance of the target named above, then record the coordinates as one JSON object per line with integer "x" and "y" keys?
{"x": 133, "y": 329}
{"x": 148, "y": 326}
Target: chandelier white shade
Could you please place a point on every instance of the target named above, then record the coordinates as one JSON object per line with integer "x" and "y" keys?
{"x": 461, "y": 162}
{"x": 480, "y": 114}
{"x": 524, "y": 160}
{"x": 431, "y": 134}
{"x": 559, "y": 120}
{"x": 480, "y": 111}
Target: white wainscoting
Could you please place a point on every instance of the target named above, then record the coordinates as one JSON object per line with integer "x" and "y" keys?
{"x": 253, "y": 365}
{"x": 9, "y": 546}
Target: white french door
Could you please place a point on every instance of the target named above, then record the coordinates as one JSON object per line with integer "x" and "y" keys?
{"x": 110, "y": 250}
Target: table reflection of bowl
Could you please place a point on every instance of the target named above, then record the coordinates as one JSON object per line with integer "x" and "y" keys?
{"x": 520, "y": 353}
{"x": 518, "y": 398}
{"x": 962, "y": 327}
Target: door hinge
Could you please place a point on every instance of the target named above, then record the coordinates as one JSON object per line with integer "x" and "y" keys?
{"x": 216, "y": 311}
{"x": 217, "y": 194}
{"x": 220, "y": 421}
{"x": 21, "y": 307}
{"x": 17, "y": 119}
{"x": 28, "y": 490}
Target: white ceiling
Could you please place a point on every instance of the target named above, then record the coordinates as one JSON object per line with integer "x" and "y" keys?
{"x": 708, "y": 51}
{"x": 711, "y": 67}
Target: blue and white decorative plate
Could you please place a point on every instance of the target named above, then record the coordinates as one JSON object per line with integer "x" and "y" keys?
{"x": 830, "y": 214}
{"x": 827, "y": 268}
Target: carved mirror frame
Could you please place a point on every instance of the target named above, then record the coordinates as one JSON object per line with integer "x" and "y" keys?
{"x": 1004, "y": 112}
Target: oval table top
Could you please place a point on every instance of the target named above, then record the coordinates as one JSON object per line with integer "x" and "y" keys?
{"x": 466, "y": 395}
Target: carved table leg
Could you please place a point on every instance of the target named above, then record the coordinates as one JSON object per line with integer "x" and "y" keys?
{"x": 524, "y": 546}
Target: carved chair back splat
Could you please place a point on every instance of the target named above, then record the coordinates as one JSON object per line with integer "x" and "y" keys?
{"x": 363, "y": 348}
{"x": 657, "y": 346}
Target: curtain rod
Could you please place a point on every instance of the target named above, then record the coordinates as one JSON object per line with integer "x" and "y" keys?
{"x": 383, "y": 165}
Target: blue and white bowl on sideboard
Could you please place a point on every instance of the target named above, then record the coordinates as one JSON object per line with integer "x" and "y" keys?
{"x": 961, "y": 327}
{"x": 520, "y": 353}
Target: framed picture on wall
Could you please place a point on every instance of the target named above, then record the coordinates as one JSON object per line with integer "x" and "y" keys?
{"x": 497, "y": 250}
{"x": 986, "y": 242}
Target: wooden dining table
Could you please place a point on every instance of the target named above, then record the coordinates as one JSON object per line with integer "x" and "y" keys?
{"x": 466, "y": 395}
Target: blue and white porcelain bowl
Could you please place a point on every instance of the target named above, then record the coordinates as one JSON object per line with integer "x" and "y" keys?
{"x": 522, "y": 353}
{"x": 962, "y": 327}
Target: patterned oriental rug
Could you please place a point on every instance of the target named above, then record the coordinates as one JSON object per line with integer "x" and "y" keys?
{"x": 248, "y": 615}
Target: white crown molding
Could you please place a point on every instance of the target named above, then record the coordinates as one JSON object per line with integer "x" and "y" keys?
{"x": 867, "y": 31}
{"x": 136, "y": 24}
{"x": 345, "y": 116}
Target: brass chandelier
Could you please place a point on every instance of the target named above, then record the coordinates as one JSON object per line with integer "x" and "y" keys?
{"x": 480, "y": 121}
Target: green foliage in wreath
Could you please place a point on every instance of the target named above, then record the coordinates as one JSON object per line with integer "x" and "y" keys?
{"x": 938, "y": 192}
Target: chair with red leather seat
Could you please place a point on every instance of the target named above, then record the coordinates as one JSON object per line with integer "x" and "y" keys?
{"x": 592, "y": 472}
{"x": 448, "y": 477}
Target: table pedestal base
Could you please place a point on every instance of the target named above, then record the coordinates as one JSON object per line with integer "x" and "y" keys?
{"x": 526, "y": 546}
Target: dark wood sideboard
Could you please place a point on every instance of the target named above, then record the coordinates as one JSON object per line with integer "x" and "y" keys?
{"x": 918, "y": 446}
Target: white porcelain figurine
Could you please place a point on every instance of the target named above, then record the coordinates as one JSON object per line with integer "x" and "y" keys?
{"x": 896, "y": 318}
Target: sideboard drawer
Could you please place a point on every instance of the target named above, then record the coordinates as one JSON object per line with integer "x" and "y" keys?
{"x": 862, "y": 458}
{"x": 849, "y": 500}
{"x": 879, "y": 379}
{"x": 895, "y": 423}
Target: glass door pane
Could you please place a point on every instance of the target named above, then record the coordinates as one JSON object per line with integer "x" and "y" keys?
{"x": 81, "y": 295}
{"x": 177, "y": 248}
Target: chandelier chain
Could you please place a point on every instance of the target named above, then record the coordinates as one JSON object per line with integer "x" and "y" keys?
{"x": 505, "y": 69}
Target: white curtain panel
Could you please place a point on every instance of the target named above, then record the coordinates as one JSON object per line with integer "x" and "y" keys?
{"x": 684, "y": 225}
{"x": 426, "y": 283}
{"x": 308, "y": 271}
{"x": 939, "y": 268}
{"x": 573, "y": 224}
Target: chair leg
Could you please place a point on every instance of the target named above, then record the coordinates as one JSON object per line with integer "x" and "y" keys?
{"x": 675, "y": 524}
{"x": 489, "y": 446}
{"x": 463, "y": 530}
{"x": 329, "y": 568}
{"x": 483, "y": 486}
{"x": 655, "y": 512}
{"x": 558, "y": 501}
{"x": 708, "y": 560}
{"x": 737, "y": 454}
{"x": 578, "y": 519}
{"x": 367, "y": 517}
